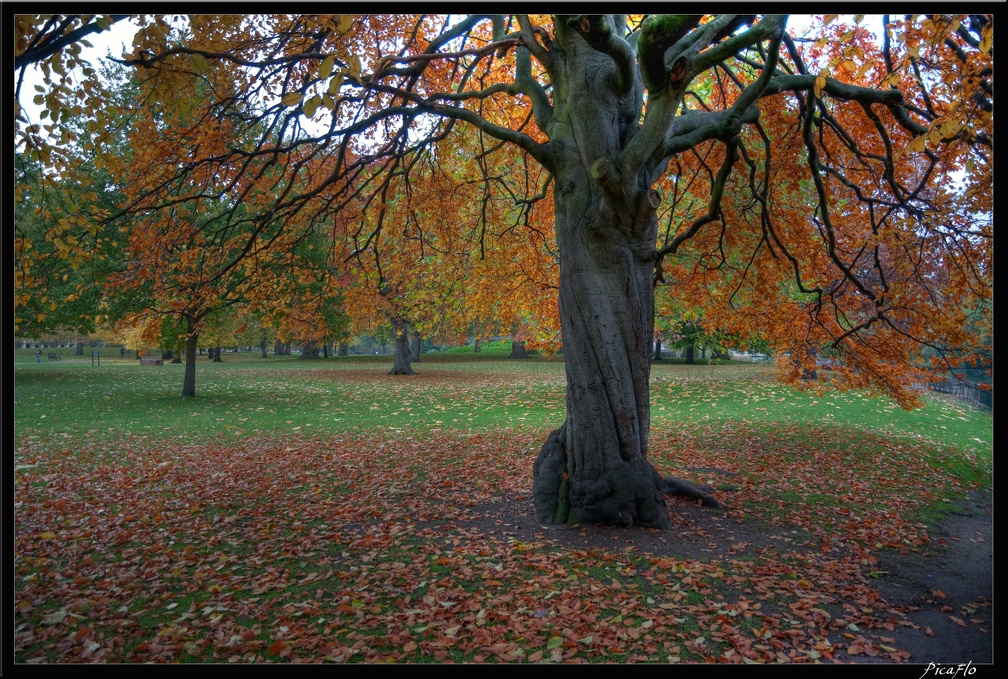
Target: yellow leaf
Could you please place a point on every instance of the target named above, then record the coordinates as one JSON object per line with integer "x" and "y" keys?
{"x": 47, "y": 535}
{"x": 199, "y": 63}
{"x": 344, "y": 22}
{"x": 326, "y": 68}
{"x": 311, "y": 105}
{"x": 820, "y": 83}
{"x": 919, "y": 144}
{"x": 828, "y": 19}
{"x": 103, "y": 22}
{"x": 987, "y": 37}
{"x": 292, "y": 99}
{"x": 334, "y": 86}
{"x": 355, "y": 65}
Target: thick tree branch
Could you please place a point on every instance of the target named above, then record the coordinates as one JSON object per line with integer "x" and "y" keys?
{"x": 658, "y": 33}
{"x": 525, "y": 84}
{"x": 770, "y": 26}
{"x": 600, "y": 32}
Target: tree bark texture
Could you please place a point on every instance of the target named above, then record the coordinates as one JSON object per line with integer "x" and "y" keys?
{"x": 344, "y": 349}
{"x": 189, "y": 381}
{"x": 416, "y": 344}
{"x": 309, "y": 352}
{"x": 518, "y": 349}
{"x": 400, "y": 342}
{"x": 594, "y": 468}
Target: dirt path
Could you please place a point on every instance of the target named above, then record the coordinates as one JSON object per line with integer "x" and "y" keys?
{"x": 961, "y": 620}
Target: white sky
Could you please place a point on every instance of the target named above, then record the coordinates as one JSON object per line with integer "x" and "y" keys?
{"x": 120, "y": 38}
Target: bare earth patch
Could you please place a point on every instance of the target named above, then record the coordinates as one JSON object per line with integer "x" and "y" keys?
{"x": 946, "y": 593}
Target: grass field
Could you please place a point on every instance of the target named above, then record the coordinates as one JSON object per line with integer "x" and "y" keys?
{"x": 323, "y": 510}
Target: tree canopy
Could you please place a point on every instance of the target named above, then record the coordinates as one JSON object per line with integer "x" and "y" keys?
{"x": 830, "y": 190}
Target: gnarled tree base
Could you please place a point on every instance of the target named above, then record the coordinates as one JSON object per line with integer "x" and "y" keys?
{"x": 630, "y": 495}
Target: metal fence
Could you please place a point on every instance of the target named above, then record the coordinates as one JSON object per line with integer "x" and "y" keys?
{"x": 981, "y": 397}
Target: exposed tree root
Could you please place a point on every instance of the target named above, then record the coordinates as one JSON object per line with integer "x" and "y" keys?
{"x": 676, "y": 486}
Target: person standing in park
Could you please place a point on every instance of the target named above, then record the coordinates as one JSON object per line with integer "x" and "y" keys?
{"x": 38, "y": 355}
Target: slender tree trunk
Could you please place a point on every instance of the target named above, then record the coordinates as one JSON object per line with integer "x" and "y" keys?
{"x": 400, "y": 340}
{"x": 344, "y": 349}
{"x": 262, "y": 347}
{"x": 189, "y": 381}
{"x": 657, "y": 349}
{"x": 415, "y": 346}
{"x": 80, "y": 348}
{"x": 329, "y": 348}
{"x": 691, "y": 354}
{"x": 476, "y": 345}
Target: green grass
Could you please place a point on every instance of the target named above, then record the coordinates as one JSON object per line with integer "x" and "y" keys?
{"x": 292, "y": 492}
{"x": 246, "y": 394}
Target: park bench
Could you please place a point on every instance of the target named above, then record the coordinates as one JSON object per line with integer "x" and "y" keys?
{"x": 151, "y": 361}
{"x": 53, "y": 357}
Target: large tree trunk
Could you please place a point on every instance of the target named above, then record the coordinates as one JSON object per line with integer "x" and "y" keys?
{"x": 262, "y": 347}
{"x": 415, "y": 346}
{"x": 80, "y": 348}
{"x": 400, "y": 341}
{"x": 189, "y": 381}
{"x": 216, "y": 354}
{"x": 691, "y": 354}
{"x": 344, "y": 349}
{"x": 309, "y": 352}
{"x": 518, "y": 349}
{"x": 594, "y": 468}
